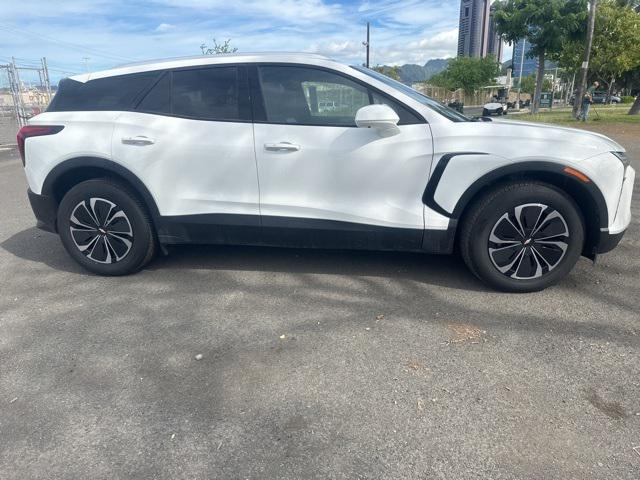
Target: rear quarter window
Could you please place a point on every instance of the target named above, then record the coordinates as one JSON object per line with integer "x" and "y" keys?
{"x": 111, "y": 93}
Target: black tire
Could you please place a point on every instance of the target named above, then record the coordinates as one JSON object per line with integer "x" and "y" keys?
{"x": 122, "y": 242}
{"x": 504, "y": 112}
{"x": 492, "y": 218}
{"x": 485, "y": 113}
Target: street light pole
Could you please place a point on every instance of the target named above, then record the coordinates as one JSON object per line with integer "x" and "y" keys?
{"x": 366, "y": 44}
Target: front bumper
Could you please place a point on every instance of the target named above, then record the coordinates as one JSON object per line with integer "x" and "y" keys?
{"x": 610, "y": 238}
{"x": 609, "y": 241}
{"x": 45, "y": 208}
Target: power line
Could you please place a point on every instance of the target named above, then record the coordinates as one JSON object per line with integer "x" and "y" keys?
{"x": 71, "y": 45}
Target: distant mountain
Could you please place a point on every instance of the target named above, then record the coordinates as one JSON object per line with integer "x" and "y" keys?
{"x": 411, "y": 73}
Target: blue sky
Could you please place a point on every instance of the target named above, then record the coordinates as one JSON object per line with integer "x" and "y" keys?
{"x": 112, "y": 32}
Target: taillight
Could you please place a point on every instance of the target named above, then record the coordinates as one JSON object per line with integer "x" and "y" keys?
{"x": 34, "y": 131}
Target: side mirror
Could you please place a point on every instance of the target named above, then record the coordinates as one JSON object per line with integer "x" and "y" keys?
{"x": 380, "y": 117}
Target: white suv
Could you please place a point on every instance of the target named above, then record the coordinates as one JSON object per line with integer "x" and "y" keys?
{"x": 241, "y": 149}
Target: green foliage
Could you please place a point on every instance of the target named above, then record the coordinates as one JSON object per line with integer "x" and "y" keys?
{"x": 469, "y": 74}
{"x": 529, "y": 84}
{"x": 218, "y": 48}
{"x": 391, "y": 72}
{"x": 607, "y": 114}
{"x": 627, "y": 99}
{"x": 616, "y": 43}
{"x": 546, "y": 24}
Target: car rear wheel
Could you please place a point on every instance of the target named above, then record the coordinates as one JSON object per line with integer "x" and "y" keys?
{"x": 105, "y": 227}
{"x": 522, "y": 237}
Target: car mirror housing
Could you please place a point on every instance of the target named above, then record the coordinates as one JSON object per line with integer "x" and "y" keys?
{"x": 380, "y": 117}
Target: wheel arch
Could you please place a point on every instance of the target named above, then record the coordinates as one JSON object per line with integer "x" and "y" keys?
{"x": 586, "y": 195}
{"x": 75, "y": 170}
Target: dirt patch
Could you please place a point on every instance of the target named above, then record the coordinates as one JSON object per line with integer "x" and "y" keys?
{"x": 466, "y": 333}
{"x": 610, "y": 408}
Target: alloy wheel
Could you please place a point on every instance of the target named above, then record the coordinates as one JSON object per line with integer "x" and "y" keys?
{"x": 528, "y": 241}
{"x": 101, "y": 230}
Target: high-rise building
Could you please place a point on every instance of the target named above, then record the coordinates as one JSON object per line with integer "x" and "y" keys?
{"x": 529, "y": 65}
{"x": 477, "y": 36}
{"x": 494, "y": 40}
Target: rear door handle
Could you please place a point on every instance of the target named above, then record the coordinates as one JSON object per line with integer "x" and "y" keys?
{"x": 281, "y": 147}
{"x": 138, "y": 140}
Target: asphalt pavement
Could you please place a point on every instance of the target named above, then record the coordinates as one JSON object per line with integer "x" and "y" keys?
{"x": 314, "y": 365}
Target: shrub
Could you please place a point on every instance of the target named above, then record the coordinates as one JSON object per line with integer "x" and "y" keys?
{"x": 627, "y": 99}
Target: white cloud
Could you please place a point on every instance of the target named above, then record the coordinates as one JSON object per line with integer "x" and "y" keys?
{"x": 164, "y": 27}
{"x": 407, "y": 31}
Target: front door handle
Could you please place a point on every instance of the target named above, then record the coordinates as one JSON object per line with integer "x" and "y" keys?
{"x": 281, "y": 147}
{"x": 138, "y": 140}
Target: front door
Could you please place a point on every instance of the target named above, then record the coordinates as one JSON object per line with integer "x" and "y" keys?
{"x": 325, "y": 182}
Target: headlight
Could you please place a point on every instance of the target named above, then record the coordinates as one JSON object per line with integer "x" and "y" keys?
{"x": 626, "y": 161}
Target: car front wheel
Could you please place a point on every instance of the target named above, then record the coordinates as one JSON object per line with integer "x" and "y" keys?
{"x": 522, "y": 237}
{"x": 105, "y": 227}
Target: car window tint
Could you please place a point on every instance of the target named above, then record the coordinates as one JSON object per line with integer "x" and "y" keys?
{"x": 110, "y": 93}
{"x": 311, "y": 96}
{"x": 308, "y": 96}
{"x": 406, "y": 116}
{"x": 206, "y": 93}
{"x": 158, "y": 100}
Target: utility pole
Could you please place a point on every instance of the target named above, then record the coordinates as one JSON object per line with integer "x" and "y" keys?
{"x": 577, "y": 104}
{"x": 367, "y": 44}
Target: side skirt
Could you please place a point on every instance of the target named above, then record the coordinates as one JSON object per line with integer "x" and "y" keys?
{"x": 223, "y": 229}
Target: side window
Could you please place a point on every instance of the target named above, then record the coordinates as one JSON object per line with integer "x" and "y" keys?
{"x": 206, "y": 93}
{"x": 158, "y": 100}
{"x": 406, "y": 116}
{"x": 308, "y": 96}
{"x": 110, "y": 93}
{"x": 311, "y": 96}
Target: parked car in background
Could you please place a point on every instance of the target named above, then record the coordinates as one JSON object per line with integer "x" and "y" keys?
{"x": 494, "y": 107}
{"x": 233, "y": 149}
{"x": 599, "y": 98}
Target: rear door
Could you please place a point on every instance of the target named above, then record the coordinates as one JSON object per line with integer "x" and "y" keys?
{"x": 325, "y": 182}
{"x": 190, "y": 140}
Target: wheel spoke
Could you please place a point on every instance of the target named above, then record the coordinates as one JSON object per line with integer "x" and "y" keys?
{"x": 109, "y": 239}
{"x": 529, "y": 266}
{"x": 529, "y": 241}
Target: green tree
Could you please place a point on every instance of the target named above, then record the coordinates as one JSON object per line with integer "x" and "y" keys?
{"x": 469, "y": 74}
{"x": 218, "y": 48}
{"x": 546, "y": 24}
{"x": 391, "y": 72}
{"x": 616, "y": 44}
{"x": 529, "y": 84}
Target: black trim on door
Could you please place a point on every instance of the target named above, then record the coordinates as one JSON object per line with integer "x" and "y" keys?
{"x": 233, "y": 229}
{"x": 428, "y": 197}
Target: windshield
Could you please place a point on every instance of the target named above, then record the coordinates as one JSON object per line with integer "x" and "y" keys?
{"x": 442, "y": 109}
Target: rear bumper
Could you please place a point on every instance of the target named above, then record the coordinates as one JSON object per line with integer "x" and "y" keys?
{"x": 45, "y": 208}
